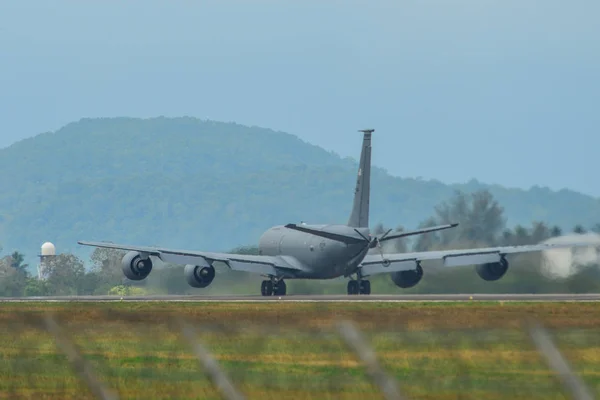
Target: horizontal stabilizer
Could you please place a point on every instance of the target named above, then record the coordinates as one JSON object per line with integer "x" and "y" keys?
{"x": 417, "y": 232}
{"x": 328, "y": 235}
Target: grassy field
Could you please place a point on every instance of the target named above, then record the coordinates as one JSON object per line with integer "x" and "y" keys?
{"x": 469, "y": 350}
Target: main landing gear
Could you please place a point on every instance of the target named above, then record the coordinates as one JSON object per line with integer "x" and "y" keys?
{"x": 273, "y": 288}
{"x": 359, "y": 286}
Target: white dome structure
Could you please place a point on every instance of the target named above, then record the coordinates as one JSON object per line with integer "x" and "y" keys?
{"x": 48, "y": 252}
{"x": 48, "y": 249}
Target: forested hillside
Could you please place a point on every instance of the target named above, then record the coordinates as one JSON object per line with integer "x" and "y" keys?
{"x": 481, "y": 224}
{"x": 188, "y": 183}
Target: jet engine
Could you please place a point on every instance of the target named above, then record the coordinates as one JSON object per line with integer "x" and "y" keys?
{"x": 199, "y": 276}
{"x": 134, "y": 267}
{"x": 492, "y": 271}
{"x": 407, "y": 279}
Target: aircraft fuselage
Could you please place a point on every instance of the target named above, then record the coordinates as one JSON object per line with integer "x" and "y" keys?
{"x": 321, "y": 257}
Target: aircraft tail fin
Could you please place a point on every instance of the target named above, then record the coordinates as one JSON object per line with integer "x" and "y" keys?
{"x": 359, "y": 218}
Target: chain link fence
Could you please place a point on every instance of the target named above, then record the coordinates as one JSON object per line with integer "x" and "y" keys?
{"x": 122, "y": 355}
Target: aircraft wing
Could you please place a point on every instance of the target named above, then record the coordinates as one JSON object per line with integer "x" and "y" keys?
{"x": 265, "y": 265}
{"x": 374, "y": 264}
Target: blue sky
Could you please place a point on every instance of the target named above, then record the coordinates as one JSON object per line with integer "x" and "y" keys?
{"x": 505, "y": 92}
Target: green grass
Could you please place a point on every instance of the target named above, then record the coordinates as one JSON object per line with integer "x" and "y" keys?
{"x": 467, "y": 350}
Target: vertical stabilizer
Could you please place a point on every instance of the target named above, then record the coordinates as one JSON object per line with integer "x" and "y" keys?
{"x": 360, "y": 209}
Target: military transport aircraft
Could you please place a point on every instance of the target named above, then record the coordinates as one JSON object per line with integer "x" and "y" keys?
{"x": 302, "y": 251}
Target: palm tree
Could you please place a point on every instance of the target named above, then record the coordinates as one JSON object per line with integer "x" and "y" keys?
{"x": 17, "y": 262}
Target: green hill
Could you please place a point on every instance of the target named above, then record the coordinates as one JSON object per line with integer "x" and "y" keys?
{"x": 188, "y": 183}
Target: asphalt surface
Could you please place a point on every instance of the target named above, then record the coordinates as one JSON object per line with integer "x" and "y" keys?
{"x": 319, "y": 298}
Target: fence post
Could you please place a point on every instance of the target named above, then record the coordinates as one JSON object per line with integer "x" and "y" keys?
{"x": 78, "y": 363}
{"x": 357, "y": 343}
{"x": 541, "y": 338}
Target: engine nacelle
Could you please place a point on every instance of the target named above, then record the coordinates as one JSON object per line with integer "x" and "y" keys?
{"x": 134, "y": 267}
{"x": 199, "y": 276}
{"x": 492, "y": 271}
{"x": 407, "y": 279}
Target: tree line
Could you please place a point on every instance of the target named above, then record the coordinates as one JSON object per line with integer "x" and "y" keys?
{"x": 481, "y": 223}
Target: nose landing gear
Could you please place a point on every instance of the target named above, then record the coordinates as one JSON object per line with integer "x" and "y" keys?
{"x": 359, "y": 286}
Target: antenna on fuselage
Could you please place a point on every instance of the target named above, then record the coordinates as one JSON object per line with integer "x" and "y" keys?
{"x": 359, "y": 218}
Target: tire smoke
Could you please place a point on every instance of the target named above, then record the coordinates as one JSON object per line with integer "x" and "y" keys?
{"x": 562, "y": 263}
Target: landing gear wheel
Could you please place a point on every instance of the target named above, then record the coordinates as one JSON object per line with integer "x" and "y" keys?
{"x": 266, "y": 288}
{"x": 365, "y": 287}
{"x": 353, "y": 287}
{"x": 280, "y": 288}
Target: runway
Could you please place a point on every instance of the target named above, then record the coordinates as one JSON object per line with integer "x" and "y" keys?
{"x": 317, "y": 298}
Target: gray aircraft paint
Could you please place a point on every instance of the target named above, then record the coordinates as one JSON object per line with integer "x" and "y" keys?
{"x": 321, "y": 257}
{"x": 359, "y": 217}
{"x": 329, "y": 251}
{"x": 326, "y": 258}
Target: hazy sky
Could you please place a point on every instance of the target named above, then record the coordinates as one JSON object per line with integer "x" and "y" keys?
{"x": 504, "y": 91}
